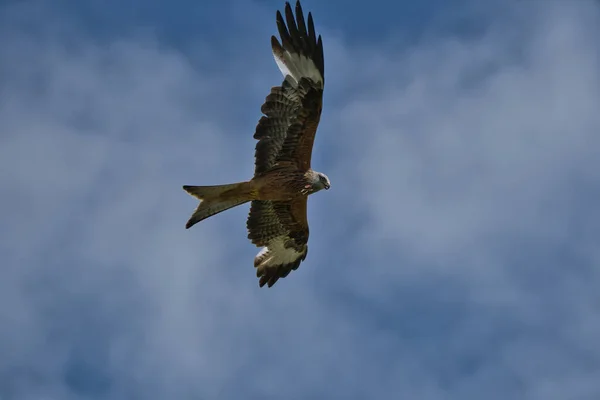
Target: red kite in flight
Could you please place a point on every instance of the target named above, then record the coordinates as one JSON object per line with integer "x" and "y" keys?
{"x": 283, "y": 178}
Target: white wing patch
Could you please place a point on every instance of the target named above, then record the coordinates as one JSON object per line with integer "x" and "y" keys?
{"x": 276, "y": 254}
{"x": 294, "y": 67}
{"x": 277, "y": 261}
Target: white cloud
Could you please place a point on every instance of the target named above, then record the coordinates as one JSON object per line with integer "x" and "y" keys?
{"x": 454, "y": 256}
{"x": 445, "y": 165}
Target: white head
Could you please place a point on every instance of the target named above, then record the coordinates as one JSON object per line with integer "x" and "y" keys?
{"x": 320, "y": 181}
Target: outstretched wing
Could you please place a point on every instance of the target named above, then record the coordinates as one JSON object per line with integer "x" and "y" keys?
{"x": 292, "y": 111}
{"x": 281, "y": 228}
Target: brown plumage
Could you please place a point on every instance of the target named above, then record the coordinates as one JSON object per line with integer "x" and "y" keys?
{"x": 283, "y": 178}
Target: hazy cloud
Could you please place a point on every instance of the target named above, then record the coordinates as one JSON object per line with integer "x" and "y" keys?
{"x": 454, "y": 258}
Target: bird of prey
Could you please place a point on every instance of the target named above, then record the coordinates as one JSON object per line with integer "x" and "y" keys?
{"x": 283, "y": 178}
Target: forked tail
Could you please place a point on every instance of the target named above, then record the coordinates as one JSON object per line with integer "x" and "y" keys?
{"x": 215, "y": 199}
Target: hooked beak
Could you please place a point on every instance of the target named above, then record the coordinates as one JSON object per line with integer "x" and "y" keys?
{"x": 327, "y": 186}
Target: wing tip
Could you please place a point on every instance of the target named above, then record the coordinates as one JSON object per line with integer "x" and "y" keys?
{"x": 298, "y": 40}
{"x": 270, "y": 274}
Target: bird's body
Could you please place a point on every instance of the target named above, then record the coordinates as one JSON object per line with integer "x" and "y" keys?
{"x": 283, "y": 177}
{"x": 283, "y": 183}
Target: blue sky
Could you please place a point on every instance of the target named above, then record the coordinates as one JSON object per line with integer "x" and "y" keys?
{"x": 455, "y": 256}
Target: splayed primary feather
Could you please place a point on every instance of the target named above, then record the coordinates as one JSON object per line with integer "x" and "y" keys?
{"x": 300, "y": 54}
{"x": 277, "y": 260}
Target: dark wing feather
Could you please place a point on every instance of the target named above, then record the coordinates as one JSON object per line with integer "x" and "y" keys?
{"x": 292, "y": 110}
{"x": 282, "y": 229}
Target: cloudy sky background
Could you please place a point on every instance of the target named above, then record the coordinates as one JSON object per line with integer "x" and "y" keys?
{"x": 456, "y": 256}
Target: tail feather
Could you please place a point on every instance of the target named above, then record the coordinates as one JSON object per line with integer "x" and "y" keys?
{"x": 215, "y": 199}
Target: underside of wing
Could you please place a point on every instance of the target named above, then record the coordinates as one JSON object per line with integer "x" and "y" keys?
{"x": 300, "y": 53}
{"x": 281, "y": 229}
{"x": 292, "y": 110}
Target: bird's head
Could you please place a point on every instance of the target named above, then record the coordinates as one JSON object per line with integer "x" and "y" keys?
{"x": 321, "y": 181}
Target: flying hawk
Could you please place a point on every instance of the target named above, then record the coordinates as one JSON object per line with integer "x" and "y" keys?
{"x": 283, "y": 178}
